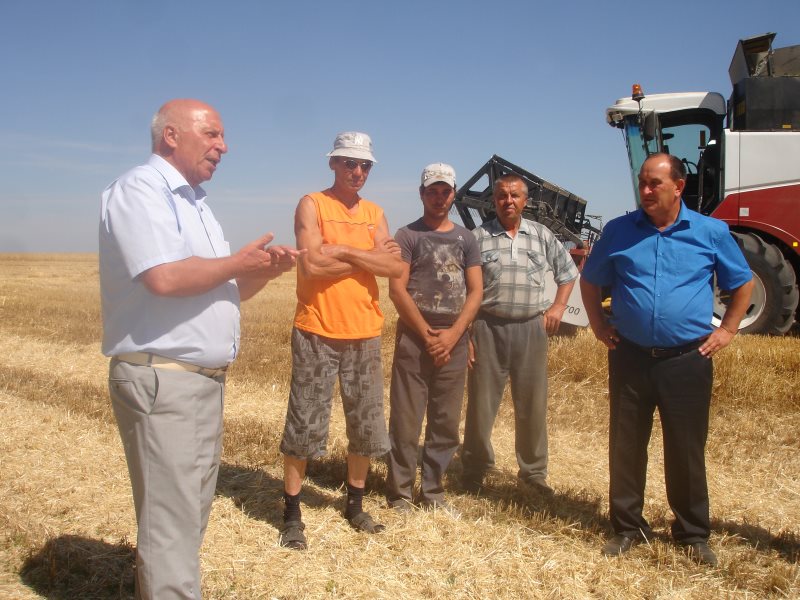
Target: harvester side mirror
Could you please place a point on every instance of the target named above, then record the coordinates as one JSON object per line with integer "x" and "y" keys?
{"x": 649, "y": 127}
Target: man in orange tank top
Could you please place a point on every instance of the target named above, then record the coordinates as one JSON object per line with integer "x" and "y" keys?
{"x": 337, "y": 331}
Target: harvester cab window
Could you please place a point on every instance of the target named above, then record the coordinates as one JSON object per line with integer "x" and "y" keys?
{"x": 686, "y": 141}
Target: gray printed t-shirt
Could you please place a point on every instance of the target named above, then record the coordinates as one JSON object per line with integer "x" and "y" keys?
{"x": 438, "y": 261}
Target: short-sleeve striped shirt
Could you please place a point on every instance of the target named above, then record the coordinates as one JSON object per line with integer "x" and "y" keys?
{"x": 514, "y": 268}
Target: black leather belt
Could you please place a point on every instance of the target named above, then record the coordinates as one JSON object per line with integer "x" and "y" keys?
{"x": 670, "y": 352}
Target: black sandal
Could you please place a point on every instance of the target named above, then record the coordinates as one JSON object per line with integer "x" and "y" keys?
{"x": 292, "y": 535}
{"x": 364, "y": 522}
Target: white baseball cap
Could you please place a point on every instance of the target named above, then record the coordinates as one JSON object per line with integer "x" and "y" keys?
{"x": 439, "y": 172}
{"x": 353, "y": 144}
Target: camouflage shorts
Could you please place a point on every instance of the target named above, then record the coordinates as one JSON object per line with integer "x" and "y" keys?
{"x": 316, "y": 363}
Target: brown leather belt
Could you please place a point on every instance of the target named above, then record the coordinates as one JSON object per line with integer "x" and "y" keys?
{"x": 147, "y": 359}
{"x": 671, "y": 352}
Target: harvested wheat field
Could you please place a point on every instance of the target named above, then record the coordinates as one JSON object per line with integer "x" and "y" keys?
{"x": 67, "y": 526}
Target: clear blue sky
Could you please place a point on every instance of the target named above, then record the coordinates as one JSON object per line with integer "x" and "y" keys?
{"x": 429, "y": 81}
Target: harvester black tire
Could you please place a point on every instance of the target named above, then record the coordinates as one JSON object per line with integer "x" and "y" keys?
{"x": 773, "y": 307}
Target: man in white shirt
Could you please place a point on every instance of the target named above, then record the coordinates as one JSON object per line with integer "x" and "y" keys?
{"x": 170, "y": 295}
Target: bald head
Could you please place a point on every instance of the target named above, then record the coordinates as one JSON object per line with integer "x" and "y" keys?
{"x": 180, "y": 112}
{"x": 189, "y": 135}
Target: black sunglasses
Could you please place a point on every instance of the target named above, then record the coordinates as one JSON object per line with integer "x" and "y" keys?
{"x": 351, "y": 164}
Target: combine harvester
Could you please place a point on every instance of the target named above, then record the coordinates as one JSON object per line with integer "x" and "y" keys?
{"x": 743, "y": 161}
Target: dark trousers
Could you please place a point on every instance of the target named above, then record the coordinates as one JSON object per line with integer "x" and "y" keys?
{"x": 680, "y": 387}
{"x": 418, "y": 389}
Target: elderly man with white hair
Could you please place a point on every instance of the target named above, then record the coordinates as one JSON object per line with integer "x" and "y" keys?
{"x": 170, "y": 292}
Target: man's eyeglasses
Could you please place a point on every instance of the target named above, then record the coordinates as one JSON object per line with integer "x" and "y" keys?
{"x": 351, "y": 164}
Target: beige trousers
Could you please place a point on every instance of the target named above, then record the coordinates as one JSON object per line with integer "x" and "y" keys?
{"x": 170, "y": 423}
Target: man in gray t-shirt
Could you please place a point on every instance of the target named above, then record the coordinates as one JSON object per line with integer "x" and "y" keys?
{"x": 437, "y": 296}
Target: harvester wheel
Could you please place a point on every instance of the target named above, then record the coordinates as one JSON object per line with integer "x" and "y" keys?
{"x": 775, "y": 295}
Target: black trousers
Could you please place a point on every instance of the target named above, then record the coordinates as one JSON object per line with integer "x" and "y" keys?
{"x": 680, "y": 387}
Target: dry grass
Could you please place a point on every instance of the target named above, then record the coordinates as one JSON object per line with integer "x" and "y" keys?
{"x": 66, "y": 517}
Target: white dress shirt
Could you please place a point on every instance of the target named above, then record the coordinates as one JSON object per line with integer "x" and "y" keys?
{"x": 151, "y": 216}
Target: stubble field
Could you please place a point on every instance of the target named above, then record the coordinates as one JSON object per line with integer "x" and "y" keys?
{"x": 67, "y": 528}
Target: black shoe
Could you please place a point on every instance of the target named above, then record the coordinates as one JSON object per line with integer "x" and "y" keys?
{"x": 472, "y": 484}
{"x": 619, "y": 544}
{"x": 539, "y": 485}
{"x": 701, "y": 553}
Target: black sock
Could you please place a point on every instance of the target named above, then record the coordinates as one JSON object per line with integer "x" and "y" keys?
{"x": 354, "y": 497}
{"x": 292, "y": 510}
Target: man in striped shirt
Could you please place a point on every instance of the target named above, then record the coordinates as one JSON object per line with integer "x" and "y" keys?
{"x": 509, "y": 336}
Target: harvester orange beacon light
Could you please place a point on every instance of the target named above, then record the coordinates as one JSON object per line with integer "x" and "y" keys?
{"x": 636, "y": 92}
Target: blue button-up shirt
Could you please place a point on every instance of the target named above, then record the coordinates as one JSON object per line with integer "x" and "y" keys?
{"x": 151, "y": 216}
{"x": 662, "y": 281}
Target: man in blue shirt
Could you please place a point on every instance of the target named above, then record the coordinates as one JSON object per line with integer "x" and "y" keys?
{"x": 170, "y": 295}
{"x": 660, "y": 262}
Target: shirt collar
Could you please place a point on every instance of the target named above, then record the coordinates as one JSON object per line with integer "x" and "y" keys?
{"x": 684, "y": 216}
{"x": 494, "y": 228}
{"x": 174, "y": 179}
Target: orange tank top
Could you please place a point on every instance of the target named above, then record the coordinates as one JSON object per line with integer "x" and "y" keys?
{"x": 346, "y": 307}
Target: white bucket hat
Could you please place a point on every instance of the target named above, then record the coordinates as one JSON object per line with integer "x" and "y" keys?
{"x": 438, "y": 172}
{"x": 353, "y": 144}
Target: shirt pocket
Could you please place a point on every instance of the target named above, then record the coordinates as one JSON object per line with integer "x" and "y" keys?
{"x": 535, "y": 268}
{"x": 490, "y": 267}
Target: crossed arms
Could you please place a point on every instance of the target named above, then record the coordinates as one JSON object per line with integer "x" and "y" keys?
{"x": 338, "y": 260}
